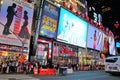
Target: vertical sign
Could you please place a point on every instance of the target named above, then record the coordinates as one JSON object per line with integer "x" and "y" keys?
{"x": 49, "y": 20}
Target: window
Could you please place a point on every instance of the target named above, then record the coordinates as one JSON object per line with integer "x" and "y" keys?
{"x": 113, "y": 60}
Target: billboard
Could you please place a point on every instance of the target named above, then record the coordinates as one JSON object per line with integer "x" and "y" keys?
{"x": 105, "y": 43}
{"x": 49, "y": 20}
{"x": 112, "y": 46}
{"x": 15, "y": 22}
{"x": 117, "y": 44}
{"x": 71, "y": 29}
{"x": 94, "y": 38}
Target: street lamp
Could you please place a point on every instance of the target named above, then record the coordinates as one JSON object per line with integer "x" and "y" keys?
{"x": 22, "y": 41}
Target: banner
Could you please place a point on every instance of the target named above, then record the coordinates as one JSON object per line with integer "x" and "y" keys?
{"x": 49, "y": 20}
{"x": 94, "y": 38}
{"x": 15, "y": 22}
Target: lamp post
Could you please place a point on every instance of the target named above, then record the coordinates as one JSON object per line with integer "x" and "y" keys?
{"x": 22, "y": 41}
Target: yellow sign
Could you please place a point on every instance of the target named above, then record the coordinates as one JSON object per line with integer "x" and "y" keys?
{"x": 4, "y": 53}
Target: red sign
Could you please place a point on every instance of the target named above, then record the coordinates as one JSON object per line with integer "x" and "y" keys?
{"x": 18, "y": 19}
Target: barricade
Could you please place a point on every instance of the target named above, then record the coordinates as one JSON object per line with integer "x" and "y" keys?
{"x": 47, "y": 71}
{"x": 35, "y": 71}
{"x": 42, "y": 71}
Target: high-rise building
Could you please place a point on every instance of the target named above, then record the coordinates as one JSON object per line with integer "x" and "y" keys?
{"x": 110, "y": 14}
{"x": 108, "y": 10}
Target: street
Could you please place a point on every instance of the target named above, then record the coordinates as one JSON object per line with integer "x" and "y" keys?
{"x": 81, "y": 75}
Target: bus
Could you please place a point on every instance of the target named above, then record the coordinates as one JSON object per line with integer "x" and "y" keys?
{"x": 112, "y": 65}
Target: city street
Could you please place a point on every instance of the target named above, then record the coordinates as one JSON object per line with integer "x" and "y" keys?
{"x": 81, "y": 75}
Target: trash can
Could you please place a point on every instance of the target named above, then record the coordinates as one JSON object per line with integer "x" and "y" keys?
{"x": 62, "y": 70}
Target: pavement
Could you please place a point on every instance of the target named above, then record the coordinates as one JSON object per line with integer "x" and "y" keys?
{"x": 17, "y": 77}
{"x": 78, "y": 75}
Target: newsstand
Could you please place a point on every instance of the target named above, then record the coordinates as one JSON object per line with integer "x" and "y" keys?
{"x": 62, "y": 70}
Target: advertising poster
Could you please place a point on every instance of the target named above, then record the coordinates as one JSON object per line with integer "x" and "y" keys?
{"x": 49, "y": 20}
{"x": 94, "y": 38}
{"x": 15, "y": 22}
{"x": 40, "y": 51}
{"x": 56, "y": 51}
{"x": 71, "y": 29}
{"x": 117, "y": 44}
{"x": 112, "y": 46}
{"x": 105, "y": 43}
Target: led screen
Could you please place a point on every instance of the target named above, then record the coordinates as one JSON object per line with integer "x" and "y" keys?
{"x": 94, "y": 38}
{"x": 49, "y": 20}
{"x": 71, "y": 29}
{"x": 117, "y": 44}
{"x": 112, "y": 46}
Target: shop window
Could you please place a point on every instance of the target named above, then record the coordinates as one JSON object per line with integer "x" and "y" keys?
{"x": 42, "y": 53}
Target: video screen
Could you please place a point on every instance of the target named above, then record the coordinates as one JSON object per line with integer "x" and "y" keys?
{"x": 71, "y": 29}
{"x": 94, "y": 38}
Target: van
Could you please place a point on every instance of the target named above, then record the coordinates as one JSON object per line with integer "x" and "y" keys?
{"x": 112, "y": 65}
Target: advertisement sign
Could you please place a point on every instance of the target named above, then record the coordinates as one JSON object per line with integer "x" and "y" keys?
{"x": 15, "y": 22}
{"x": 94, "y": 38}
{"x": 105, "y": 43}
{"x": 42, "y": 47}
{"x": 112, "y": 46}
{"x": 117, "y": 44}
{"x": 49, "y": 20}
{"x": 71, "y": 29}
{"x": 40, "y": 51}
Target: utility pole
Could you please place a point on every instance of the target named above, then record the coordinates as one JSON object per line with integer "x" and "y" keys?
{"x": 22, "y": 41}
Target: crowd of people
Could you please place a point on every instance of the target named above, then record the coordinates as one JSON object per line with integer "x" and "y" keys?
{"x": 13, "y": 66}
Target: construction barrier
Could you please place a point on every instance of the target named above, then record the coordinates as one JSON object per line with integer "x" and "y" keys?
{"x": 47, "y": 71}
{"x": 35, "y": 71}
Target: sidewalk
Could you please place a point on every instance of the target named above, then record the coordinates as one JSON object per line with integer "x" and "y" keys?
{"x": 17, "y": 77}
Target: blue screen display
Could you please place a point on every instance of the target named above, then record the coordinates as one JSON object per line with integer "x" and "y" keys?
{"x": 72, "y": 29}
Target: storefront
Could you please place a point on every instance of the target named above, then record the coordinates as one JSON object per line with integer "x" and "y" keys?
{"x": 93, "y": 57}
{"x": 65, "y": 54}
{"x": 43, "y": 51}
{"x": 9, "y": 52}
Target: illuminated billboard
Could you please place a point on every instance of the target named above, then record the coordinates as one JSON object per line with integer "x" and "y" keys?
{"x": 15, "y": 22}
{"x": 94, "y": 38}
{"x": 49, "y": 20}
{"x": 117, "y": 44}
{"x": 71, "y": 29}
{"x": 105, "y": 43}
{"x": 112, "y": 46}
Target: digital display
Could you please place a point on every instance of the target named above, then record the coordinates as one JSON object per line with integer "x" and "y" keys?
{"x": 117, "y": 44}
{"x": 94, "y": 38}
{"x": 49, "y": 20}
{"x": 112, "y": 46}
{"x": 71, "y": 29}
